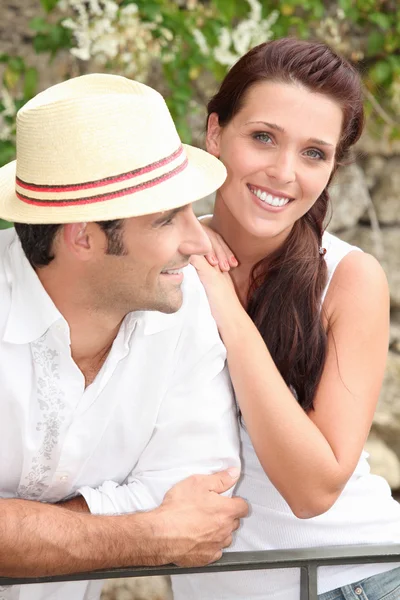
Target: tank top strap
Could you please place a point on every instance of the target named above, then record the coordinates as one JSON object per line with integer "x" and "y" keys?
{"x": 336, "y": 250}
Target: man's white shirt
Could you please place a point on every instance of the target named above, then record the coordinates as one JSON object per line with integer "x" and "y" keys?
{"x": 160, "y": 409}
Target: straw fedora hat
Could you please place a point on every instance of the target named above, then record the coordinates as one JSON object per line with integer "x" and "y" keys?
{"x": 101, "y": 147}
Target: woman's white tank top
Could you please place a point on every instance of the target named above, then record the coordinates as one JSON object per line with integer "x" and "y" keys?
{"x": 365, "y": 513}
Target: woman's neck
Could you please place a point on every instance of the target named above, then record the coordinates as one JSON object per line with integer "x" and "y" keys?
{"x": 247, "y": 248}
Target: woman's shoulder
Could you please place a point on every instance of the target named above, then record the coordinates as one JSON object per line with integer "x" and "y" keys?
{"x": 358, "y": 270}
{"x": 352, "y": 273}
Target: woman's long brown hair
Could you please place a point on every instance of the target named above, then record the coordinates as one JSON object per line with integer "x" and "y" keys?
{"x": 286, "y": 287}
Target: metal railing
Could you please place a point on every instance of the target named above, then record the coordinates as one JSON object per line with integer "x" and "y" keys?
{"x": 307, "y": 559}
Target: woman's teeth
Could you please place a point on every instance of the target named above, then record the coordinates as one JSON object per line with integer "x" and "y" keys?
{"x": 268, "y": 198}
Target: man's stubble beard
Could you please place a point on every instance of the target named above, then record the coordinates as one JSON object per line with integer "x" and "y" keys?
{"x": 124, "y": 302}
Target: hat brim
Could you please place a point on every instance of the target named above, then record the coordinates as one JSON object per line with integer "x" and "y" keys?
{"x": 203, "y": 175}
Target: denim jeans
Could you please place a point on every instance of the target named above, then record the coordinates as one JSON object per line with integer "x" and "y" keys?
{"x": 384, "y": 586}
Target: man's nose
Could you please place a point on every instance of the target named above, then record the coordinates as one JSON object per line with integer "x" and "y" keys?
{"x": 196, "y": 240}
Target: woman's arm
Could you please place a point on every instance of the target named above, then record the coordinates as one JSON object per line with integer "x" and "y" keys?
{"x": 310, "y": 457}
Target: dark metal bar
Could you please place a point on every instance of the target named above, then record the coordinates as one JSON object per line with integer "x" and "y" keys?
{"x": 308, "y": 583}
{"x": 242, "y": 561}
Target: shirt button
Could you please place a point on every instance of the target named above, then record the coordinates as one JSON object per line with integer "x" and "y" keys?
{"x": 358, "y": 591}
{"x": 63, "y": 478}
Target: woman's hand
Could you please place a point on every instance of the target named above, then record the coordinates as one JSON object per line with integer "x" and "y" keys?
{"x": 224, "y": 302}
{"x": 221, "y": 254}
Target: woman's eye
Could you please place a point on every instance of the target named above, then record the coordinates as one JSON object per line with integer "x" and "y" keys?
{"x": 315, "y": 154}
{"x": 262, "y": 137}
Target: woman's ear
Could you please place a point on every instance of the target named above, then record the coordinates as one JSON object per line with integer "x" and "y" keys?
{"x": 213, "y": 135}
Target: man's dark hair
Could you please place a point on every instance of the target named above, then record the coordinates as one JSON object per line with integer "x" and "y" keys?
{"x": 37, "y": 241}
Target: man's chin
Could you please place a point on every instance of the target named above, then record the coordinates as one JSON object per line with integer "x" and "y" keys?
{"x": 171, "y": 308}
{"x": 172, "y": 303}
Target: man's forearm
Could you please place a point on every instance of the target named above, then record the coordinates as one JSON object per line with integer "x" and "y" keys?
{"x": 39, "y": 539}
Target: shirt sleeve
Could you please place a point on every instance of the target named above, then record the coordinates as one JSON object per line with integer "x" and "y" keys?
{"x": 196, "y": 431}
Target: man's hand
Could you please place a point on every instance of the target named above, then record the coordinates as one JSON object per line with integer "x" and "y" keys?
{"x": 190, "y": 528}
{"x": 196, "y": 522}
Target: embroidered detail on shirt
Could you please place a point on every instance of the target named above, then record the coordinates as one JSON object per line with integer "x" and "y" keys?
{"x": 6, "y": 589}
{"x": 50, "y": 399}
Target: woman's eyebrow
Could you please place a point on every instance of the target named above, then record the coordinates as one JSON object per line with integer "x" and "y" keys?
{"x": 320, "y": 142}
{"x": 270, "y": 125}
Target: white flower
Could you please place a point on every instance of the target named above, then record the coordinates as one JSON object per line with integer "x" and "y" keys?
{"x": 5, "y": 131}
{"x": 242, "y": 37}
{"x": 111, "y": 8}
{"x": 95, "y": 8}
{"x": 272, "y": 18}
{"x": 222, "y": 54}
{"x": 248, "y": 33}
{"x": 126, "y": 57}
{"x": 10, "y": 109}
{"x": 62, "y": 5}
{"x": 105, "y": 48}
{"x": 129, "y": 10}
{"x": 81, "y": 53}
{"x": 201, "y": 42}
{"x": 255, "y": 10}
{"x": 69, "y": 24}
{"x": 340, "y": 14}
{"x": 169, "y": 36}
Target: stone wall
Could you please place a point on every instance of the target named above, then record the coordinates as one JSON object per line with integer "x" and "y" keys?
{"x": 143, "y": 588}
{"x": 377, "y": 230}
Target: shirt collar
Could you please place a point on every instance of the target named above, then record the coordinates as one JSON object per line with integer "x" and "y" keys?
{"x": 32, "y": 310}
{"x": 155, "y": 322}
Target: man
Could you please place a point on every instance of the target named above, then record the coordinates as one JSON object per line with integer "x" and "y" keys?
{"x": 112, "y": 373}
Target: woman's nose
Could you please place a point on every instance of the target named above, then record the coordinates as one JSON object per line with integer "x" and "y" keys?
{"x": 282, "y": 167}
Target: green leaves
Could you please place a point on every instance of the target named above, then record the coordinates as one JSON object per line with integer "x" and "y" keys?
{"x": 7, "y": 152}
{"x": 376, "y": 42}
{"x": 20, "y": 84}
{"x": 5, "y": 224}
{"x": 383, "y": 21}
{"x": 18, "y": 75}
{"x": 50, "y": 37}
{"x": 48, "y": 5}
{"x": 381, "y": 72}
{"x": 30, "y": 82}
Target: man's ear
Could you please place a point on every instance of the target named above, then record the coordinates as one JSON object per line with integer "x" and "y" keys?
{"x": 78, "y": 239}
{"x": 213, "y": 135}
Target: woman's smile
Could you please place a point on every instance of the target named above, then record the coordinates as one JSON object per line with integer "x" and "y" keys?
{"x": 268, "y": 199}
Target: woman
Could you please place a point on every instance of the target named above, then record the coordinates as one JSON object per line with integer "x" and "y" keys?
{"x": 304, "y": 317}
